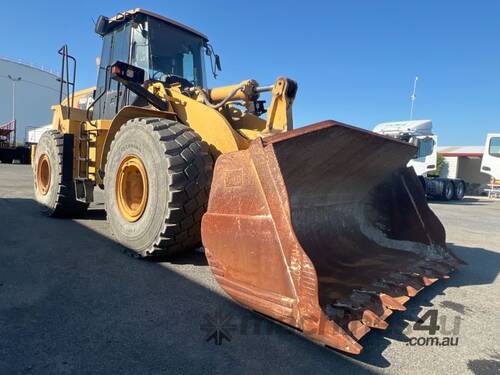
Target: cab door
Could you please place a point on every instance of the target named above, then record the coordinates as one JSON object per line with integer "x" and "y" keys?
{"x": 426, "y": 159}
{"x": 491, "y": 156}
{"x": 116, "y": 47}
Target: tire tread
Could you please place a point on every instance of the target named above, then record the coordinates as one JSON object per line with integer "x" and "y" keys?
{"x": 189, "y": 176}
{"x": 66, "y": 204}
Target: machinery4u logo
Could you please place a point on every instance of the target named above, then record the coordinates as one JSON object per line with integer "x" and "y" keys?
{"x": 218, "y": 327}
{"x": 431, "y": 323}
{"x": 442, "y": 330}
{"x": 221, "y": 326}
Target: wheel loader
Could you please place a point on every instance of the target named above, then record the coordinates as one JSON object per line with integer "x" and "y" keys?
{"x": 322, "y": 228}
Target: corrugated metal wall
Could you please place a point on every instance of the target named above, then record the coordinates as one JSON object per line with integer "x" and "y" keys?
{"x": 36, "y": 92}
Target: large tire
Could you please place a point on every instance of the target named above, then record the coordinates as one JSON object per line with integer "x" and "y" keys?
{"x": 448, "y": 190}
{"x": 178, "y": 173}
{"x": 459, "y": 190}
{"x": 55, "y": 195}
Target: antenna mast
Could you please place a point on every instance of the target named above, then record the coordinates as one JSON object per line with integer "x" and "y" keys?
{"x": 413, "y": 97}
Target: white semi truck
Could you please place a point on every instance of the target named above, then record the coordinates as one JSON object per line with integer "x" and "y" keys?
{"x": 419, "y": 133}
{"x": 491, "y": 156}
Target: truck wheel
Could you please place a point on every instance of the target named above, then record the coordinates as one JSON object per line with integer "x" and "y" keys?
{"x": 448, "y": 190}
{"x": 157, "y": 181}
{"x": 55, "y": 196}
{"x": 459, "y": 190}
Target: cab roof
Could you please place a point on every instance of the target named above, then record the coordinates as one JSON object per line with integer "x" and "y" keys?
{"x": 159, "y": 17}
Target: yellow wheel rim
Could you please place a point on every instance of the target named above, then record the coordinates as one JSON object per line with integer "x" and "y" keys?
{"x": 43, "y": 174}
{"x": 131, "y": 188}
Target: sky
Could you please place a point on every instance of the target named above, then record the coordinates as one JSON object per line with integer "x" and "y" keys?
{"x": 354, "y": 61}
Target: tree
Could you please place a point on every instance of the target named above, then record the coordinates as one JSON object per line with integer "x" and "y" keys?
{"x": 441, "y": 162}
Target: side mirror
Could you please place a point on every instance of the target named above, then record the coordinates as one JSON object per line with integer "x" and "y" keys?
{"x": 217, "y": 62}
{"x": 214, "y": 59}
{"x": 101, "y": 26}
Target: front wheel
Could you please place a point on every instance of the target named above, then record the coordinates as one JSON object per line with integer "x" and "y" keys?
{"x": 157, "y": 181}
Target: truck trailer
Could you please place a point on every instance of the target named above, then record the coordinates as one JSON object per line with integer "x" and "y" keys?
{"x": 9, "y": 151}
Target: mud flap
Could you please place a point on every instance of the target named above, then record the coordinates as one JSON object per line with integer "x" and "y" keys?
{"x": 323, "y": 228}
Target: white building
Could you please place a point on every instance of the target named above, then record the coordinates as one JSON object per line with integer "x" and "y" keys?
{"x": 464, "y": 162}
{"x": 36, "y": 90}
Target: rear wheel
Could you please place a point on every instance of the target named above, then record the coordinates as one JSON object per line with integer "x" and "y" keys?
{"x": 55, "y": 195}
{"x": 459, "y": 190}
{"x": 448, "y": 190}
{"x": 157, "y": 180}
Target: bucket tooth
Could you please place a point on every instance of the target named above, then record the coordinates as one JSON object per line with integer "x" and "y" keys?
{"x": 400, "y": 286}
{"x": 428, "y": 281}
{"x": 349, "y": 317}
{"x": 402, "y": 299}
{"x": 357, "y": 328}
{"x": 391, "y": 287}
{"x": 340, "y": 220}
{"x": 376, "y": 306}
{"x": 412, "y": 292}
{"x": 427, "y": 277}
{"x": 414, "y": 280}
{"x": 372, "y": 320}
{"x": 363, "y": 313}
{"x": 358, "y": 320}
{"x": 424, "y": 279}
{"x": 411, "y": 283}
{"x": 415, "y": 283}
{"x": 370, "y": 302}
{"x": 393, "y": 303}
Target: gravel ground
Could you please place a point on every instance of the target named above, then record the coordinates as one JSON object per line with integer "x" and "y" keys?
{"x": 71, "y": 301}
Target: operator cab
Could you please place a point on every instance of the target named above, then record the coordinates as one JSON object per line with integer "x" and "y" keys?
{"x": 166, "y": 50}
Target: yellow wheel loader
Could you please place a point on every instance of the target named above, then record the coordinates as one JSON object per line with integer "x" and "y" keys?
{"x": 322, "y": 228}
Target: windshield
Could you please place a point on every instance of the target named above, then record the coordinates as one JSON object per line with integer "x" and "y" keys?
{"x": 494, "y": 149}
{"x": 162, "y": 50}
{"x": 425, "y": 147}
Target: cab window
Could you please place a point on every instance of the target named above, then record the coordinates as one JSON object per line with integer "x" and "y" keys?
{"x": 425, "y": 147}
{"x": 494, "y": 149}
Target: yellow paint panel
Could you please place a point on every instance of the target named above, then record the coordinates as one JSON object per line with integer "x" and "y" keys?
{"x": 209, "y": 123}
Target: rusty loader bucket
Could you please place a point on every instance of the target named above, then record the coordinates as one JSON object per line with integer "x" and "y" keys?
{"x": 324, "y": 229}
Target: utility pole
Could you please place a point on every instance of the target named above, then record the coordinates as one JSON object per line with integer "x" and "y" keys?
{"x": 14, "y": 80}
{"x": 413, "y": 97}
